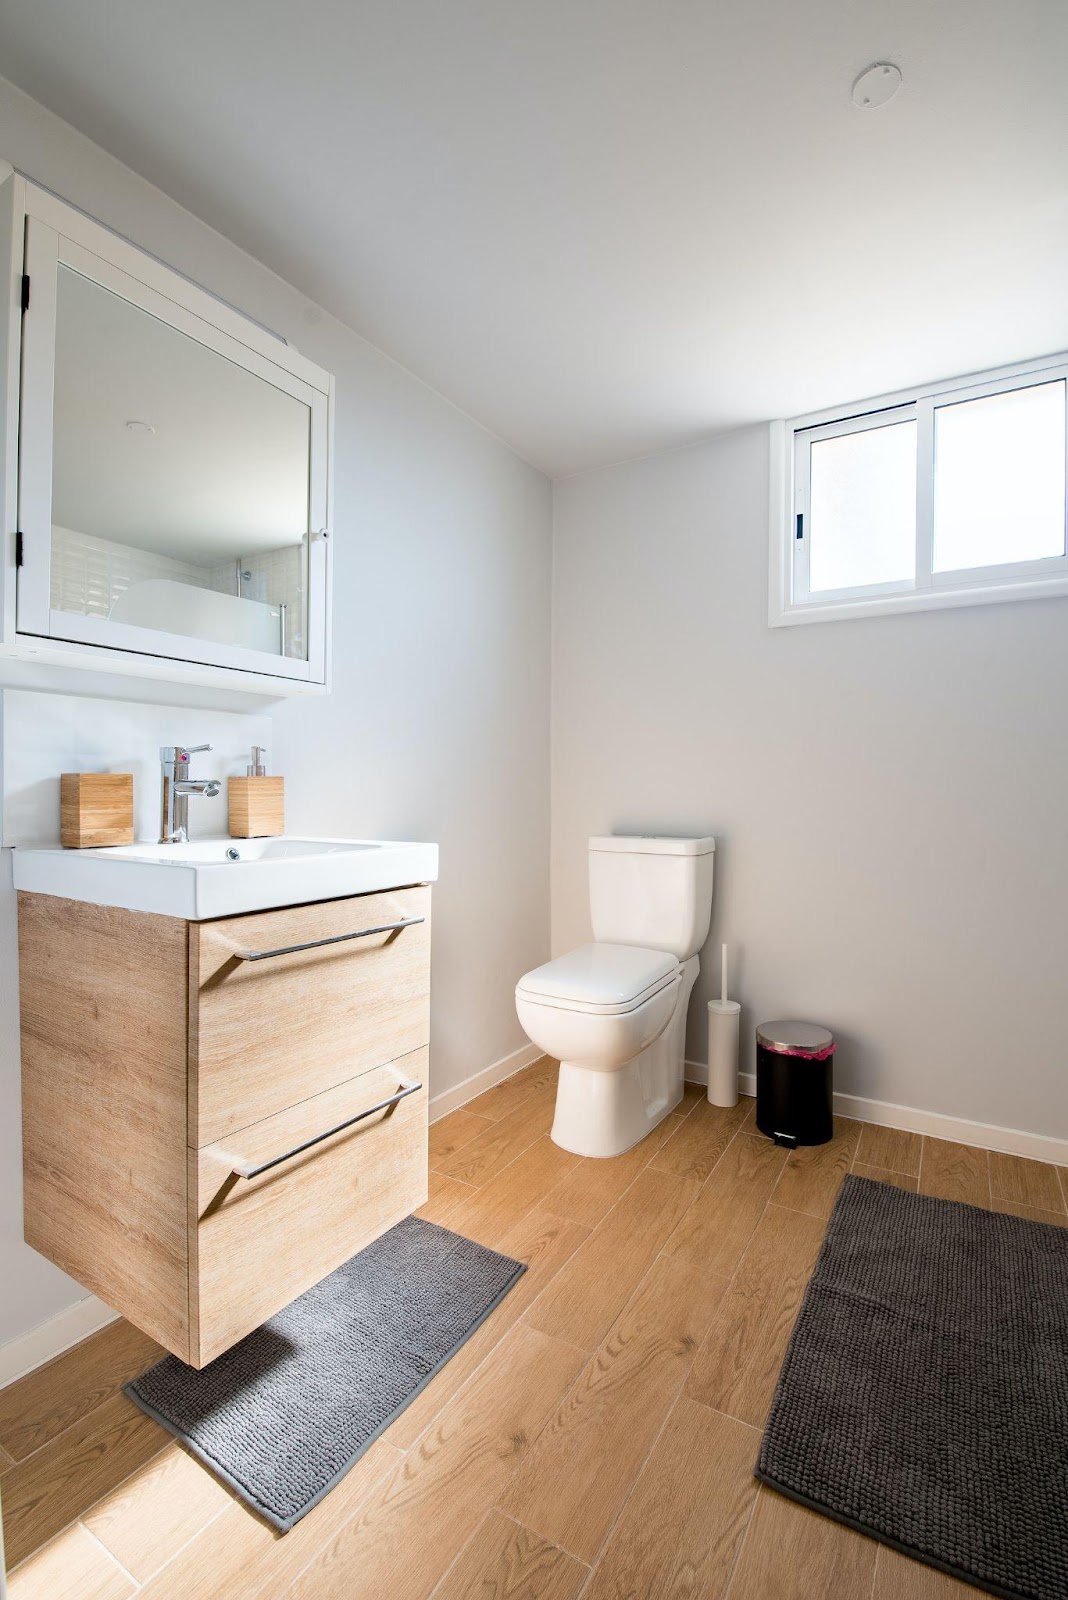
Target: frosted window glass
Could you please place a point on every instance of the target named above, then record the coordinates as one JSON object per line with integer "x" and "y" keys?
{"x": 863, "y": 508}
{"x": 999, "y": 478}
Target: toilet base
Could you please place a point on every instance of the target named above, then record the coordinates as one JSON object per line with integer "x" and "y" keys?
{"x": 602, "y": 1113}
{"x": 605, "y": 1113}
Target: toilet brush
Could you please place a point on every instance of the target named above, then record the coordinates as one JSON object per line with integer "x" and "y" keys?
{"x": 723, "y": 1017}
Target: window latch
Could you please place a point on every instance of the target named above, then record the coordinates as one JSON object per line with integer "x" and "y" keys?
{"x": 800, "y": 534}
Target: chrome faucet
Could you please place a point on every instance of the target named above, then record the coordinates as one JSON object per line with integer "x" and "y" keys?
{"x": 175, "y": 788}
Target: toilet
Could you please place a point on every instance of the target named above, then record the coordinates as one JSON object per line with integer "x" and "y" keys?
{"x": 613, "y": 1013}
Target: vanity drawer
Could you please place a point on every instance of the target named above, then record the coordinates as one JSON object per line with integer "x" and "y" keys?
{"x": 271, "y": 1025}
{"x": 261, "y": 1240}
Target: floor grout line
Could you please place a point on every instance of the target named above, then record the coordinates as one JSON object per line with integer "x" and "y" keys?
{"x": 740, "y": 1547}
{"x": 111, "y": 1555}
{"x": 317, "y": 1552}
{"x": 86, "y": 1510}
{"x": 235, "y": 1500}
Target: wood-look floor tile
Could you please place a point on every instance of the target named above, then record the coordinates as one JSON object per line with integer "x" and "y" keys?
{"x": 892, "y": 1148}
{"x": 587, "y": 1295}
{"x": 453, "y": 1132}
{"x": 739, "y": 1361}
{"x": 500, "y": 1203}
{"x": 544, "y": 1242}
{"x": 790, "y": 1553}
{"x": 1055, "y": 1219}
{"x": 720, "y": 1223}
{"x": 446, "y": 1196}
{"x": 145, "y": 1521}
{"x": 813, "y": 1174}
{"x": 41, "y": 1405}
{"x": 694, "y": 1149}
{"x": 900, "y": 1180}
{"x": 604, "y": 1427}
{"x": 591, "y": 1189}
{"x": 71, "y": 1473}
{"x": 1030, "y": 1183}
{"x": 898, "y": 1578}
{"x": 516, "y": 1091}
{"x": 679, "y": 1531}
{"x": 955, "y": 1172}
{"x": 499, "y": 1144}
{"x": 238, "y": 1556}
{"x": 505, "y": 1561}
{"x": 72, "y": 1567}
{"x": 6, "y": 1461}
{"x": 415, "y": 1523}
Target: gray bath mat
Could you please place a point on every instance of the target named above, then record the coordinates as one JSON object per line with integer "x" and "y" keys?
{"x": 285, "y": 1413}
{"x": 924, "y": 1395}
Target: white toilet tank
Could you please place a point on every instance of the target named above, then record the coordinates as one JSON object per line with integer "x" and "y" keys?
{"x": 654, "y": 892}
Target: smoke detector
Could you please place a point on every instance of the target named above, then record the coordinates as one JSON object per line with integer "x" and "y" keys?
{"x": 876, "y": 85}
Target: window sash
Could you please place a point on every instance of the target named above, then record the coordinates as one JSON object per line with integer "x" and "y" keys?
{"x": 919, "y": 407}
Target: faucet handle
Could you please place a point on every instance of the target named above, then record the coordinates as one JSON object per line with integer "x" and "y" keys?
{"x": 176, "y": 754}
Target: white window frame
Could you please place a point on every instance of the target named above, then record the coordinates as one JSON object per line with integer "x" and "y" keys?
{"x": 790, "y": 601}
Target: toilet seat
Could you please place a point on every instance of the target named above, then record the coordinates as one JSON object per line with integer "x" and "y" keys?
{"x": 606, "y": 980}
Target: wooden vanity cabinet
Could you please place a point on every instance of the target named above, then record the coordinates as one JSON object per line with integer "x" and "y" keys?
{"x": 178, "y": 1081}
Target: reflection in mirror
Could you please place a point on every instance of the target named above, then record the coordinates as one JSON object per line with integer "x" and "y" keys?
{"x": 180, "y": 481}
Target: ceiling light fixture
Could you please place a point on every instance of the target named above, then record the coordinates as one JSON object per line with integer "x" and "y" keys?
{"x": 876, "y": 85}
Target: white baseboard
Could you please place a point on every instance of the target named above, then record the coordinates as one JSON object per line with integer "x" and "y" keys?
{"x": 450, "y": 1099}
{"x": 50, "y": 1339}
{"x": 957, "y": 1130}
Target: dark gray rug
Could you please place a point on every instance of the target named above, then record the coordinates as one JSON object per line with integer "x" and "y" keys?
{"x": 285, "y": 1413}
{"x": 924, "y": 1395}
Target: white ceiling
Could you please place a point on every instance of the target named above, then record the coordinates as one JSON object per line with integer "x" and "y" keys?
{"x": 607, "y": 226}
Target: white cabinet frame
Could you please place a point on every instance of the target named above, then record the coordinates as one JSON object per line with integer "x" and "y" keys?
{"x": 38, "y": 234}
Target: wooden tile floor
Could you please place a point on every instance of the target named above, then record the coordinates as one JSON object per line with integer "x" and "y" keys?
{"x": 595, "y": 1438}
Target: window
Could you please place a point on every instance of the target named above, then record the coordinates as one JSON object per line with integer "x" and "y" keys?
{"x": 951, "y": 495}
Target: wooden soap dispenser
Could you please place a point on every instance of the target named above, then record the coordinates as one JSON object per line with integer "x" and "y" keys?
{"x": 257, "y": 802}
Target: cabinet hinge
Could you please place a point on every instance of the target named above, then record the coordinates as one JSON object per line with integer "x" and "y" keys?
{"x": 18, "y": 548}
{"x": 25, "y": 291}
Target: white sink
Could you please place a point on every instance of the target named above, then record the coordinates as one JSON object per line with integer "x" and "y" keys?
{"x": 223, "y": 877}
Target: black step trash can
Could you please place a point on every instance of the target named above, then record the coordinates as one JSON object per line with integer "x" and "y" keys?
{"x": 795, "y": 1082}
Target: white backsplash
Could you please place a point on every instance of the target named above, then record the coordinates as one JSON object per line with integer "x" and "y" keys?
{"x": 45, "y": 735}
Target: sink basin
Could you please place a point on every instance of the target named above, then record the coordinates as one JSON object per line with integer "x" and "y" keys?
{"x": 224, "y": 877}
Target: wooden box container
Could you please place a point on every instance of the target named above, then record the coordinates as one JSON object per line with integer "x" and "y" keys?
{"x": 257, "y": 807}
{"x": 95, "y": 809}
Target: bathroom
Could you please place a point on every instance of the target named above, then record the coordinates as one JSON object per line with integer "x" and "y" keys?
{"x": 565, "y": 267}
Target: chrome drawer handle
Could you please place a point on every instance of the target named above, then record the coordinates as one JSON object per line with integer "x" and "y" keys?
{"x": 317, "y": 944}
{"x": 249, "y": 1169}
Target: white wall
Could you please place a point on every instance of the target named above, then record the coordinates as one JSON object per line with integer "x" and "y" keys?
{"x": 890, "y": 795}
{"x": 438, "y": 724}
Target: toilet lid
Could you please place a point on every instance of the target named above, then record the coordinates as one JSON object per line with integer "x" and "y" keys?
{"x": 603, "y": 978}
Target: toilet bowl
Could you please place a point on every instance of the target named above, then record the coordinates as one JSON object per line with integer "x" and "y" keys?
{"x": 613, "y": 1013}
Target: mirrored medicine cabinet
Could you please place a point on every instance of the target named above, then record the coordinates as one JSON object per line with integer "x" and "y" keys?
{"x": 171, "y": 466}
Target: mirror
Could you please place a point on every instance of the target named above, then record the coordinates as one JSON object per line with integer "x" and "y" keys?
{"x": 180, "y": 481}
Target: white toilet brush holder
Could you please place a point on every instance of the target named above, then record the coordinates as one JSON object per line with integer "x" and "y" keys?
{"x": 723, "y": 1018}
{"x": 723, "y": 1015}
